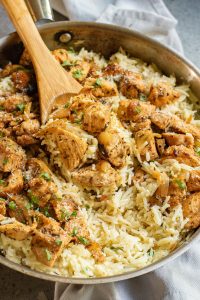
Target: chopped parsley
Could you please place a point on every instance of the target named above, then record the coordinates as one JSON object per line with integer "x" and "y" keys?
{"x": 65, "y": 214}
{"x": 46, "y": 212}
{"x": 74, "y": 231}
{"x": 2, "y": 134}
{"x": 87, "y": 206}
{"x": 2, "y": 182}
{"x": 34, "y": 199}
{"x": 83, "y": 240}
{"x": 48, "y": 254}
{"x": 197, "y": 150}
{"x": 20, "y": 107}
{"x": 29, "y": 205}
{"x": 78, "y": 121}
{"x": 2, "y": 199}
{"x": 46, "y": 176}
{"x": 97, "y": 82}
{"x": 66, "y": 105}
{"x": 77, "y": 74}
{"x": 5, "y": 161}
{"x": 58, "y": 242}
{"x": 74, "y": 214}
{"x": 71, "y": 49}
{"x": 2, "y": 108}
{"x": 66, "y": 64}
{"x": 143, "y": 97}
{"x": 180, "y": 184}
{"x": 12, "y": 205}
{"x": 151, "y": 252}
{"x": 116, "y": 248}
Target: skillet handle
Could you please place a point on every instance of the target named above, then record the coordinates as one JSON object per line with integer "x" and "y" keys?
{"x": 40, "y": 10}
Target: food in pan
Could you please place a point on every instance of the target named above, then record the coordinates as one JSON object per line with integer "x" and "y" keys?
{"x": 112, "y": 182}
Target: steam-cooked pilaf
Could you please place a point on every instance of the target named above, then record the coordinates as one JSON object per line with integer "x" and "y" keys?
{"x": 112, "y": 182}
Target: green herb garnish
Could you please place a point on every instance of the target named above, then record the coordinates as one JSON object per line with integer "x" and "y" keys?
{"x": 58, "y": 242}
{"x": 87, "y": 206}
{"x": 48, "y": 254}
{"x": 65, "y": 214}
{"x": 46, "y": 212}
{"x": 34, "y": 199}
{"x": 46, "y": 176}
{"x": 97, "y": 82}
{"x": 151, "y": 252}
{"x": 2, "y": 199}
{"x": 66, "y": 64}
{"x": 197, "y": 150}
{"x": 74, "y": 231}
{"x": 2, "y": 108}
{"x": 29, "y": 205}
{"x": 181, "y": 184}
{"x": 2, "y": 134}
{"x": 66, "y": 105}
{"x": 71, "y": 49}
{"x": 116, "y": 248}
{"x": 143, "y": 97}
{"x": 5, "y": 161}
{"x": 138, "y": 110}
{"x": 2, "y": 182}
{"x": 20, "y": 107}
{"x": 74, "y": 214}
{"x": 83, "y": 240}
{"x": 12, "y": 205}
{"x": 77, "y": 74}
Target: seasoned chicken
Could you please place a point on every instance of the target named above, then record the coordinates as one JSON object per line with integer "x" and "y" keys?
{"x": 183, "y": 155}
{"x": 113, "y": 69}
{"x": 193, "y": 183}
{"x": 25, "y": 59}
{"x": 80, "y": 70}
{"x": 2, "y": 206}
{"x": 9, "y": 69}
{"x": 12, "y": 156}
{"x": 96, "y": 251}
{"x": 179, "y": 139}
{"x": 41, "y": 187}
{"x": 162, "y": 94}
{"x": 160, "y": 145}
{"x": 13, "y": 184}
{"x": 61, "y": 55}
{"x": 24, "y": 81}
{"x": 14, "y": 229}
{"x": 173, "y": 123}
{"x": 139, "y": 175}
{"x": 96, "y": 176}
{"x": 49, "y": 240}
{"x": 134, "y": 110}
{"x": 131, "y": 84}
{"x": 177, "y": 192}
{"x": 65, "y": 208}
{"x": 15, "y": 103}
{"x": 146, "y": 124}
{"x": 191, "y": 210}
{"x": 145, "y": 143}
{"x": 100, "y": 87}
{"x": 76, "y": 227}
{"x": 68, "y": 145}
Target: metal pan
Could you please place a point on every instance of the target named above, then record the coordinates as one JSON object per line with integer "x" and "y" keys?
{"x": 105, "y": 39}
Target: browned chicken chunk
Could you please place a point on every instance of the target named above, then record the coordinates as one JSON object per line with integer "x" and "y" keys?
{"x": 25, "y": 59}
{"x": 13, "y": 184}
{"x": 177, "y": 192}
{"x": 12, "y": 156}
{"x": 160, "y": 145}
{"x": 100, "y": 87}
{"x": 173, "y": 123}
{"x": 178, "y": 139}
{"x": 24, "y": 81}
{"x": 96, "y": 251}
{"x": 162, "y": 94}
{"x": 49, "y": 240}
{"x": 183, "y": 155}
{"x": 146, "y": 124}
{"x": 134, "y": 110}
{"x": 80, "y": 70}
{"x": 2, "y": 206}
{"x": 65, "y": 208}
{"x": 191, "y": 210}
{"x": 131, "y": 84}
{"x": 145, "y": 143}
{"x": 96, "y": 176}
{"x": 193, "y": 183}
{"x": 15, "y": 103}
{"x": 67, "y": 143}
{"x": 77, "y": 228}
{"x": 61, "y": 55}
{"x": 139, "y": 176}
{"x": 14, "y": 229}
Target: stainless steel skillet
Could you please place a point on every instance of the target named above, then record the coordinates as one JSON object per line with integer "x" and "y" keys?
{"x": 105, "y": 39}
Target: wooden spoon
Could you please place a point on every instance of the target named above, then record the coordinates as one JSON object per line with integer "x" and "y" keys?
{"x": 52, "y": 80}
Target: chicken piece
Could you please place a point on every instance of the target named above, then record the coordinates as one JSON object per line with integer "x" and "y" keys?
{"x": 183, "y": 155}
{"x": 66, "y": 142}
{"x": 100, "y": 87}
{"x": 77, "y": 228}
{"x": 13, "y": 184}
{"x": 191, "y": 210}
{"x": 20, "y": 208}
{"x": 80, "y": 70}
{"x": 162, "y": 94}
{"x": 177, "y": 192}
{"x": 131, "y": 84}
{"x": 12, "y": 156}
{"x": 95, "y": 118}
{"x": 139, "y": 176}
{"x": 173, "y": 123}
{"x": 26, "y": 140}
{"x": 61, "y": 55}
{"x": 65, "y": 208}
{"x": 160, "y": 145}
{"x": 9, "y": 69}
{"x": 25, "y": 59}
{"x": 37, "y": 168}
{"x": 145, "y": 143}
{"x": 5, "y": 119}
{"x": 27, "y": 127}
{"x": 49, "y": 240}
{"x": 2, "y": 206}
{"x": 146, "y": 124}
{"x": 24, "y": 81}
{"x": 179, "y": 139}
{"x": 96, "y": 252}
{"x": 113, "y": 69}
{"x": 134, "y": 110}
{"x": 193, "y": 183}
{"x": 96, "y": 176}
{"x": 14, "y": 229}
{"x": 113, "y": 147}
{"x": 16, "y": 102}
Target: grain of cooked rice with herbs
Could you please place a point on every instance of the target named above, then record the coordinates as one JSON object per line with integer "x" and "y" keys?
{"x": 112, "y": 182}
